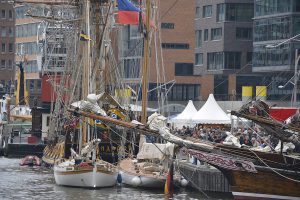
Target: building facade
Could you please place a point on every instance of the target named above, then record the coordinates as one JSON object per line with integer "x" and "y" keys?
{"x": 275, "y": 21}
{"x": 7, "y": 51}
{"x": 223, "y": 46}
{"x": 171, "y": 73}
{"x": 27, "y": 50}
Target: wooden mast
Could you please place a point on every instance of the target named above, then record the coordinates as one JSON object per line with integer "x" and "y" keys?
{"x": 86, "y": 65}
{"x": 145, "y": 75}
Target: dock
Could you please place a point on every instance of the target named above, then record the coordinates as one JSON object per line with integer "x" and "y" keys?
{"x": 21, "y": 150}
{"x": 204, "y": 177}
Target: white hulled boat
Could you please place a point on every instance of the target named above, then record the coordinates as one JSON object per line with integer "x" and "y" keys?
{"x": 83, "y": 172}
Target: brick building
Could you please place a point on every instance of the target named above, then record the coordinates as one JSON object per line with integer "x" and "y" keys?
{"x": 7, "y": 51}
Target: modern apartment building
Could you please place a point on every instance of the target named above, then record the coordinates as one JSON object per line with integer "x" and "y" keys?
{"x": 275, "y": 21}
{"x": 224, "y": 45}
{"x": 7, "y": 51}
{"x": 27, "y": 50}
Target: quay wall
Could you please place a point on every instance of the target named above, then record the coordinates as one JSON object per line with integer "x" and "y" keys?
{"x": 204, "y": 177}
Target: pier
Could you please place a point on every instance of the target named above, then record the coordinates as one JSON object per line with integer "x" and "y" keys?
{"x": 21, "y": 150}
{"x": 204, "y": 177}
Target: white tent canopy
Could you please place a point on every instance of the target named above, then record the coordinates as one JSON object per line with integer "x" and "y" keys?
{"x": 187, "y": 114}
{"x": 211, "y": 113}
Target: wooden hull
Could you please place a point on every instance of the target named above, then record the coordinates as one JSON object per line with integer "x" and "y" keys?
{"x": 265, "y": 184}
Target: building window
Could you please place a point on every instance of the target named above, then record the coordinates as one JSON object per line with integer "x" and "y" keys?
{"x": 134, "y": 32}
{"x": 199, "y": 59}
{"x": 272, "y": 56}
{"x": 296, "y": 26}
{"x": 10, "y": 65}
{"x": 272, "y": 29}
{"x": 244, "y": 33}
{"x": 131, "y": 68}
{"x": 10, "y": 14}
{"x": 215, "y": 61}
{"x": 3, "y": 14}
{"x": 297, "y": 6}
{"x": 3, "y": 31}
{"x": 31, "y": 66}
{"x": 205, "y": 34}
{"x": 232, "y": 60}
{"x": 268, "y": 7}
{"x": 175, "y": 46}
{"x": 10, "y": 32}
{"x": 10, "y": 47}
{"x": 239, "y": 12}
{"x": 183, "y": 69}
{"x": 167, "y": 25}
{"x": 220, "y": 12}
{"x": 3, "y": 47}
{"x": 26, "y": 30}
{"x": 216, "y": 33}
{"x": 179, "y": 92}
{"x": 249, "y": 57}
{"x": 3, "y": 62}
{"x": 38, "y": 84}
{"x": 198, "y": 38}
{"x": 27, "y": 48}
{"x": 31, "y": 85}
{"x": 207, "y": 11}
{"x": 198, "y": 11}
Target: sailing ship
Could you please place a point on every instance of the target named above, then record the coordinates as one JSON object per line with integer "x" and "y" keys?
{"x": 54, "y": 152}
{"x": 149, "y": 168}
{"x": 86, "y": 169}
{"x": 252, "y": 174}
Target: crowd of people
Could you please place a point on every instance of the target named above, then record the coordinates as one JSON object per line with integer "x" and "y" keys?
{"x": 252, "y": 136}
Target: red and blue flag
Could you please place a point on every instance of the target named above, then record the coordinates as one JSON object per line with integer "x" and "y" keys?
{"x": 128, "y": 12}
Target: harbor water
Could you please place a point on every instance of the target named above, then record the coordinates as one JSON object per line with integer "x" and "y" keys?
{"x": 18, "y": 182}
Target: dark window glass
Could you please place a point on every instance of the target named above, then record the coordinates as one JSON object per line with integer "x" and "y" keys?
{"x": 297, "y": 6}
{"x": 3, "y": 48}
{"x": 249, "y": 57}
{"x": 232, "y": 60}
{"x": 184, "y": 92}
{"x": 131, "y": 68}
{"x": 239, "y": 12}
{"x": 244, "y": 33}
{"x": 199, "y": 59}
{"x": 198, "y": 11}
{"x": 184, "y": 69}
{"x": 3, "y": 14}
{"x": 268, "y": 7}
{"x": 296, "y": 25}
{"x": 198, "y": 38}
{"x": 221, "y": 88}
{"x": 263, "y": 56}
{"x": 175, "y": 46}
{"x": 220, "y": 12}
{"x": 167, "y": 25}
{"x": 205, "y": 34}
{"x": 10, "y": 14}
{"x": 207, "y": 11}
{"x": 3, "y": 62}
{"x": 216, "y": 33}
{"x": 215, "y": 60}
{"x": 10, "y": 64}
{"x": 272, "y": 29}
